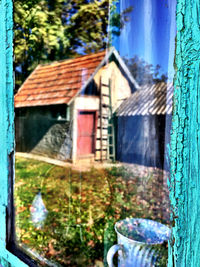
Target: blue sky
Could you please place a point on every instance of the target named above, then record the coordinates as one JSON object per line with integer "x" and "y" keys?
{"x": 150, "y": 33}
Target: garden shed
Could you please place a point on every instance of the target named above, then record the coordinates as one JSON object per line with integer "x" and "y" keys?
{"x": 64, "y": 109}
{"x": 143, "y": 125}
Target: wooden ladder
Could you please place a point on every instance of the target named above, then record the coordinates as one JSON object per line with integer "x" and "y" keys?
{"x": 107, "y": 130}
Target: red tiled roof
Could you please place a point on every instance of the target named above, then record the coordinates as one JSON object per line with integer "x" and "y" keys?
{"x": 57, "y": 82}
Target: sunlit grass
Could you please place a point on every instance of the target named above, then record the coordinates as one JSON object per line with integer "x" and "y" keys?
{"x": 82, "y": 209}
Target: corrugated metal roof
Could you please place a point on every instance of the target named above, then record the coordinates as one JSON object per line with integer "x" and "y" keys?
{"x": 153, "y": 99}
{"x": 58, "y": 82}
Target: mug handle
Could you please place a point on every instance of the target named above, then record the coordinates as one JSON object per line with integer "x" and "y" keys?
{"x": 111, "y": 253}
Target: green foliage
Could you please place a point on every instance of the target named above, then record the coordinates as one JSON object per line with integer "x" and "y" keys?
{"x": 82, "y": 209}
{"x": 47, "y": 30}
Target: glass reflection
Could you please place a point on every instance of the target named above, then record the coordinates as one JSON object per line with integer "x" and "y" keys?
{"x": 93, "y": 130}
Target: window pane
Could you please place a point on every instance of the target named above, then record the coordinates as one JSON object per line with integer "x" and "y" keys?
{"x": 93, "y": 109}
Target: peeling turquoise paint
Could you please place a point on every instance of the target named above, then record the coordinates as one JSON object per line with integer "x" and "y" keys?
{"x": 6, "y": 124}
{"x": 185, "y": 140}
{"x": 185, "y": 158}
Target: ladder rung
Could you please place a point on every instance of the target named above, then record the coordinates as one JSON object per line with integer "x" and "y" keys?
{"x": 105, "y": 135}
{"x": 105, "y": 95}
{"x": 104, "y": 127}
{"x": 104, "y": 84}
{"x": 103, "y": 115}
{"x": 99, "y": 149}
{"x": 106, "y": 106}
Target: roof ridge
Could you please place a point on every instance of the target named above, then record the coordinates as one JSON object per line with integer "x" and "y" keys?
{"x": 71, "y": 59}
{"x": 89, "y": 66}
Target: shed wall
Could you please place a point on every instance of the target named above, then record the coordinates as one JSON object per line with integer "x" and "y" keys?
{"x": 38, "y": 132}
{"x": 120, "y": 87}
{"x": 142, "y": 139}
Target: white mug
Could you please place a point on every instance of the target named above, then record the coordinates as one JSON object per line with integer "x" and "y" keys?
{"x": 136, "y": 238}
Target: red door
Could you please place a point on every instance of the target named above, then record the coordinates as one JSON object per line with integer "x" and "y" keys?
{"x": 86, "y": 132}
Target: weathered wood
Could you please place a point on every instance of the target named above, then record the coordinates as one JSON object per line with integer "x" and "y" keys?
{"x": 6, "y": 124}
{"x": 185, "y": 139}
{"x": 6, "y": 109}
{"x": 185, "y": 177}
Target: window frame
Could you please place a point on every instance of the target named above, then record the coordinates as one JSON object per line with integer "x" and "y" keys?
{"x": 187, "y": 60}
{"x": 7, "y": 131}
{"x": 7, "y": 258}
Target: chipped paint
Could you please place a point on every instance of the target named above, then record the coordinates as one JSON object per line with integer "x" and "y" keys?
{"x": 185, "y": 178}
{"x": 185, "y": 174}
{"x": 6, "y": 124}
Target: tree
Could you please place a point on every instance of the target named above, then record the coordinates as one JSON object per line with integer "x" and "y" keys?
{"x": 143, "y": 72}
{"x": 47, "y": 30}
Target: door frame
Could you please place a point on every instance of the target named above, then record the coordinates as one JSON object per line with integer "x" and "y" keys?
{"x": 95, "y": 127}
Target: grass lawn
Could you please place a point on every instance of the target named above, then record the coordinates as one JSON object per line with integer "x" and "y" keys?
{"x": 82, "y": 208}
